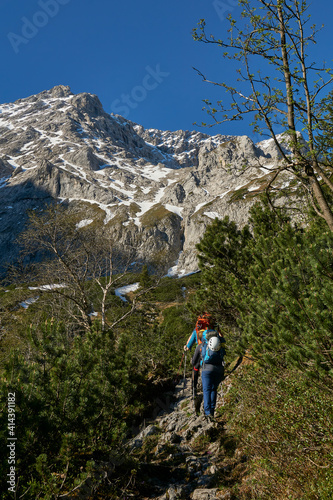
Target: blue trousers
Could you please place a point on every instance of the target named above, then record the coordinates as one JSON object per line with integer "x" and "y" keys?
{"x": 210, "y": 382}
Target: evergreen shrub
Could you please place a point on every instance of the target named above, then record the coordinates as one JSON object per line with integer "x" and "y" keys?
{"x": 283, "y": 425}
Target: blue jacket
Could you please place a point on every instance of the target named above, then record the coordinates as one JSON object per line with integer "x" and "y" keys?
{"x": 192, "y": 339}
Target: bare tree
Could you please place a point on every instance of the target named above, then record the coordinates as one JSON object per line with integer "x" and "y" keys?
{"x": 276, "y": 33}
{"x": 75, "y": 265}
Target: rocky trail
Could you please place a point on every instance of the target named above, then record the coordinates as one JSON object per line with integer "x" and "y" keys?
{"x": 182, "y": 454}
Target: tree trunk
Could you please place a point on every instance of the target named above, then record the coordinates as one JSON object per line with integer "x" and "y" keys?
{"x": 287, "y": 74}
{"x": 315, "y": 185}
{"x": 320, "y": 198}
{"x": 105, "y": 291}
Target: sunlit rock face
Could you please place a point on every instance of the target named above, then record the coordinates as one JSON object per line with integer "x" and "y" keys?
{"x": 154, "y": 192}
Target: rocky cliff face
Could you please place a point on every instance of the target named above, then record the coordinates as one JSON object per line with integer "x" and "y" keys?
{"x": 154, "y": 191}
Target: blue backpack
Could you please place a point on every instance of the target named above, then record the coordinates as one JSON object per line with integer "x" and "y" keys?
{"x": 208, "y": 356}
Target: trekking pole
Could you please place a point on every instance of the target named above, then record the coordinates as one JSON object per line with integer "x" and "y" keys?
{"x": 180, "y": 364}
{"x": 193, "y": 390}
{"x": 185, "y": 372}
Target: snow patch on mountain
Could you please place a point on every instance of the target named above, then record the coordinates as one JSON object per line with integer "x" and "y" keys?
{"x": 124, "y": 290}
{"x": 84, "y": 223}
{"x": 61, "y": 146}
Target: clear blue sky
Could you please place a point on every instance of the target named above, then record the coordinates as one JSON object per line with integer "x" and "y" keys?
{"x": 137, "y": 56}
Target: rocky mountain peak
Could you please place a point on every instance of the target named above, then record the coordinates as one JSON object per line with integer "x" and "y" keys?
{"x": 153, "y": 190}
{"x": 56, "y": 92}
{"x": 88, "y": 103}
{"x": 60, "y": 91}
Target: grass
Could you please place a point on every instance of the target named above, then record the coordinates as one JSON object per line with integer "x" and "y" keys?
{"x": 284, "y": 427}
{"x": 154, "y": 215}
{"x": 243, "y": 193}
{"x": 174, "y": 289}
{"x": 200, "y": 444}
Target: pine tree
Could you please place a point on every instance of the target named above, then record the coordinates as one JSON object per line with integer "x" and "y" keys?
{"x": 145, "y": 280}
{"x": 286, "y": 315}
{"x": 71, "y": 396}
{"x": 223, "y": 255}
{"x": 275, "y": 288}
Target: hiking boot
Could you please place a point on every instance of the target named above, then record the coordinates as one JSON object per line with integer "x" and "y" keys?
{"x": 210, "y": 418}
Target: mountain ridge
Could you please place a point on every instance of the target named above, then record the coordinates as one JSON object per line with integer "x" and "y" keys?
{"x": 155, "y": 191}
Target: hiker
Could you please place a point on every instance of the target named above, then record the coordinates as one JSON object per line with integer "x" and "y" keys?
{"x": 203, "y": 323}
{"x": 211, "y": 351}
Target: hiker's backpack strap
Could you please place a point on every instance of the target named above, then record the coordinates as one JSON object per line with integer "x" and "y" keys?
{"x": 199, "y": 336}
{"x": 209, "y": 356}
